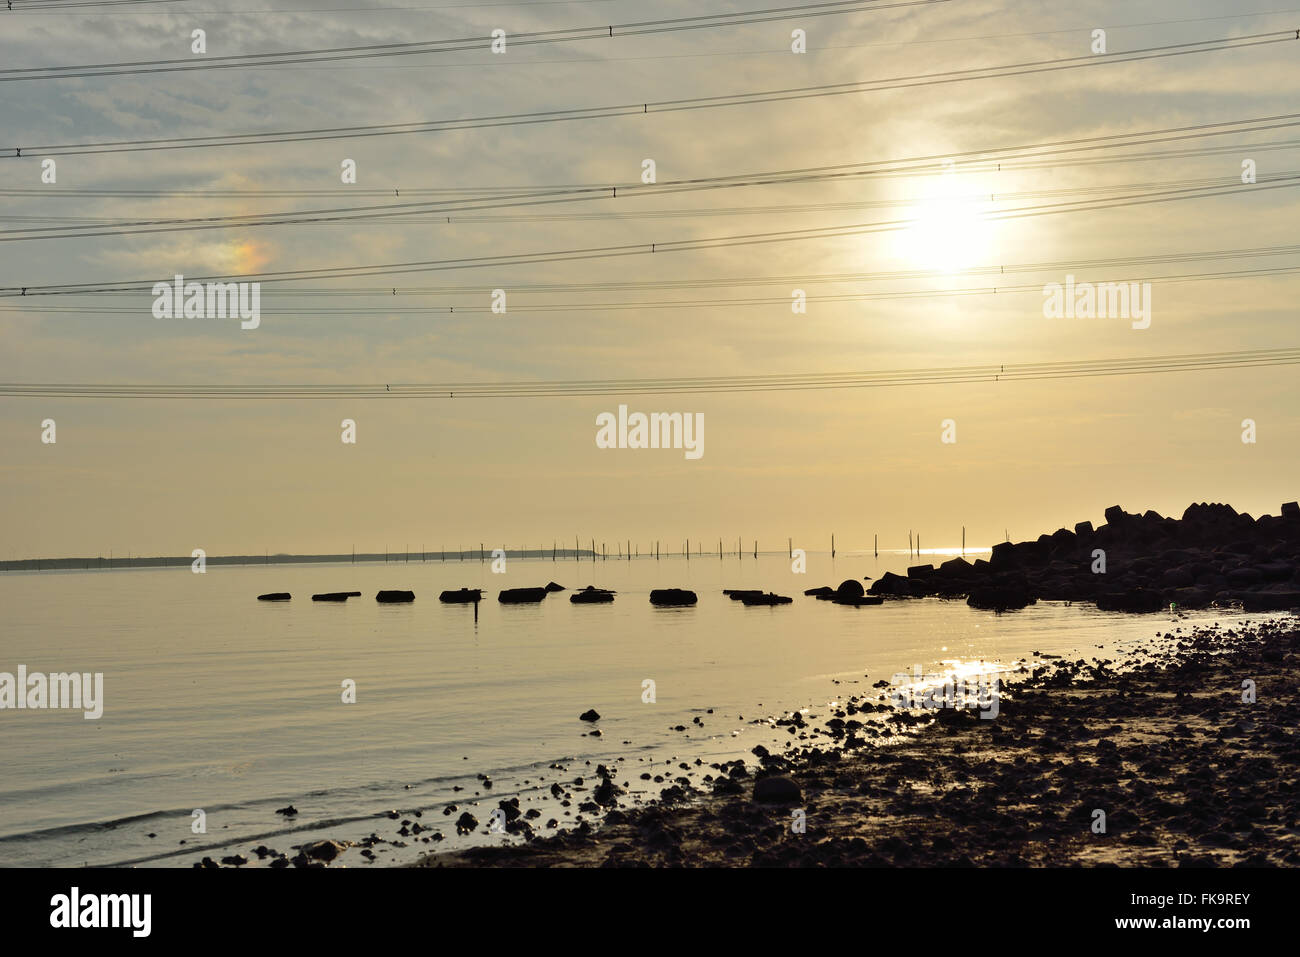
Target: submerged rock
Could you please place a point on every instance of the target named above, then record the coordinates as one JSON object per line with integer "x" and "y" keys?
{"x": 395, "y": 596}
{"x": 519, "y": 596}
{"x": 771, "y": 598}
{"x": 673, "y": 596}
{"x": 275, "y": 596}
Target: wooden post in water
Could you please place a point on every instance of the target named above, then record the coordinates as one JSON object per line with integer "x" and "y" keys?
{"x": 832, "y": 545}
{"x": 909, "y": 544}
{"x": 875, "y": 545}
{"x": 756, "y": 549}
{"x": 963, "y": 541}
{"x": 789, "y": 548}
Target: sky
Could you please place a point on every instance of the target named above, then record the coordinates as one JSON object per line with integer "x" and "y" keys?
{"x": 162, "y": 477}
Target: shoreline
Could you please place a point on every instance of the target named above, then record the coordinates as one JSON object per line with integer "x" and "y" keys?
{"x": 1185, "y": 772}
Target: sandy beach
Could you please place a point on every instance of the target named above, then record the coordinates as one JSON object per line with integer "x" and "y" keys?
{"x": 1186, "y": 772}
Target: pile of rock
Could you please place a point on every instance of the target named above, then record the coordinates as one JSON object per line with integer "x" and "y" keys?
{"x": 1134, "y": 562}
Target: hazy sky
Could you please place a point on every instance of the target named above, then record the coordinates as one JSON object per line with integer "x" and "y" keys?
{"x": 164, "y": 477}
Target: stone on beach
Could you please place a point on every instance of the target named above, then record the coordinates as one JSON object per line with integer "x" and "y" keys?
{"x": 324, "y": 850}
{"x": 777, "y": 790}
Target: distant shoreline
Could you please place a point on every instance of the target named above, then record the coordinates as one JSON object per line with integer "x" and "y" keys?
{"x": 101, "y": 563}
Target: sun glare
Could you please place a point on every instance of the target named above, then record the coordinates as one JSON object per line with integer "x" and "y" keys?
{"x": 949, "y": 230}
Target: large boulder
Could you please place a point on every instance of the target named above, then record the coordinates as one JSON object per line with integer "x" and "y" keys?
{"x": 849, "y": 588}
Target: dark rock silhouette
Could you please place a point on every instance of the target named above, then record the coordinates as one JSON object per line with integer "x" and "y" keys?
{"x": 771, "y": 598}
{"x": 394, "y": 597}
{"x": 335, "y": 595}
{"x": 850, "y": 588}
{"x": 591, "y": 595}
{"x": 589, "y": 715}
{"x": 462, "y": 596}
{"x": 673, "y": 596}
{"x": 552, "y": 586}
{"x": 825, "y": 591}
{"x": 521, "y": 596}
{"x": 1003, "y": 597}
{"x": 275, "y": 596}
{"x": 777, "y": 790}
{"x": 1212, "y": 555}
{"x": 859, "y": 601}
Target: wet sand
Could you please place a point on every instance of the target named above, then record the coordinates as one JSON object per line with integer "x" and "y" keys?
{"x": 1185, "y": 771}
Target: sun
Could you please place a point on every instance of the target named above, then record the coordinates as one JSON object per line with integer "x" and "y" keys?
{"x": 948, "y": 229}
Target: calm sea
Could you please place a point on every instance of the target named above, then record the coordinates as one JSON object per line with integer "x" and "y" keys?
{"x": 215, "y": 701}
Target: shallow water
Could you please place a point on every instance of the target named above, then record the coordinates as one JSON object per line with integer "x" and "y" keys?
{"x": 216, "y": 701}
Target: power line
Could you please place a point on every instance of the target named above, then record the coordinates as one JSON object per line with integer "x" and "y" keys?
{"x": 315, "y": 312}
{"x": 639, "y": 249}
{"x": 419, "y": 47}
{"x": 28, "y": 4}
{"x": 52, "y": 191}
{"x": 25, "y": 5}
{"x": 421, "y": 212}
{"x": 659, "y": 106}
{"x": 722, "y": 282}
{"x": 1012, "y": 372}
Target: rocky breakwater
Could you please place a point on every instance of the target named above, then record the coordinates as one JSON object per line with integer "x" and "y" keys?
{"x": 1213, "y": 555}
